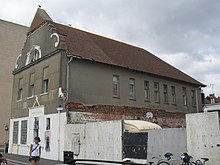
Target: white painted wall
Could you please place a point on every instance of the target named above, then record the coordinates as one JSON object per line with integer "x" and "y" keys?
{"x": 203, "y": 136}
{"x": 97, "y": 140}
{"x": 166, "y": 140}
{"x": 23, "y": 149}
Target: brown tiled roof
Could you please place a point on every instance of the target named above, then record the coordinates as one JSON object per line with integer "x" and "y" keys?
{"x": 104, "y": 50}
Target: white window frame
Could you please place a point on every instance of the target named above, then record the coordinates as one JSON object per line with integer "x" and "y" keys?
{"x": 173, "y": 93}
{"x": 15, "y": 132}
{"x": 23, "y": 139}
{"x": 165, "y": 93}
{"x": 116, "y": 88}
{"x": 184, "y": 93}
{"x": 156, "y": 92}
{"x": 132, "y": 88}
{"x": 146, "y": 90}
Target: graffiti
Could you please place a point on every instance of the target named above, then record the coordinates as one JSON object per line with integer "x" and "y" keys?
{"x": 47, "y": 141}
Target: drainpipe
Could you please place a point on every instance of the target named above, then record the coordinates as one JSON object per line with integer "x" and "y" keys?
{"x": 67, "y": 82}
{"x": 68, "y": 77}
{"x": 59, "y": 109}
{"x": 197, "y": 99}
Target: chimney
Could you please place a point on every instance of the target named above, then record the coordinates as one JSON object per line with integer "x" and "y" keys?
{"x": 212, "y": 98}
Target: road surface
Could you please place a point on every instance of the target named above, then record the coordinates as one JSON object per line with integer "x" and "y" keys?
{"x": 23, "y": 160}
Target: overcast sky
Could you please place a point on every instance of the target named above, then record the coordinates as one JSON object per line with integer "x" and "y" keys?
{"x": 184, "y": 33}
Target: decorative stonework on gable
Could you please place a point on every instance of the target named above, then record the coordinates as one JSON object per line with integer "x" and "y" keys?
{"x": 39, "y": 17}
{"x": 16, "y": 63}
{"x": 57, "y": 37}
{"x": 34, "y": 54}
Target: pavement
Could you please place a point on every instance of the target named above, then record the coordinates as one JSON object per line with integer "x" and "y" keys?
{"x": 23, "y": 160}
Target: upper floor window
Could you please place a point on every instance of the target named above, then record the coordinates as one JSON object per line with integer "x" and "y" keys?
{"x": 45, "y": 80}
{"x": 45, "y": 86}
{"x": 146, "y": 90}
{"x": 184, "y": 96}
{"x": 156, "y": 92}
{"x": 20, "y": 89}
{"x": 132, "y": 88}
{"x": 33, "y": 55}
{"x": 31, "y": 85}
{"x": 48, "y": 124}
{"x": 115, "y": 86}
{"x": 173, "y": 94}
{"x": 165, "y": 93}
{"x": 193, "y": 97}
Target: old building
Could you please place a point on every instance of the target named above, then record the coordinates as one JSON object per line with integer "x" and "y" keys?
{"x": 12, "y": 37}
{"x": 69, "y": 75}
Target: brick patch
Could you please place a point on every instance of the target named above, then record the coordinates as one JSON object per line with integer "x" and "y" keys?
{"x": 80, "y": 113}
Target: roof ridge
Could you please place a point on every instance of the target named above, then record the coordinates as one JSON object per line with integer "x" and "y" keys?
{"x": 14, "y": 23}
{"x": 99, "y": 35}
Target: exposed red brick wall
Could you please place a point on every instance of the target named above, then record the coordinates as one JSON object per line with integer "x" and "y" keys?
{"x": 110, "y": 112}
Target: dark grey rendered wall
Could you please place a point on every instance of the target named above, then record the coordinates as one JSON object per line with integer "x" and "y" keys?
{"x": 91, "y": 83}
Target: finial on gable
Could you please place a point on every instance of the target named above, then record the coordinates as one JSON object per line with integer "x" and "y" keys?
{"x": 40, "y": 16}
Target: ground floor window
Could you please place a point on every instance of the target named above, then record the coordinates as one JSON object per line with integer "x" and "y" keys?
{"x": 36, "y": 126}
{"x": 15, "y": 132}
{"x": 24, "y": 132}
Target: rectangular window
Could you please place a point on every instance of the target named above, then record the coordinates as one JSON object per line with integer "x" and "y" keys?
{"x": 36, "y": 126}
{"x": 31, "y": 90}
{"x": 15, "y": 132}
{"x": 184, "y": 96}
{"x": 132, "y": 88}
{"x": 45, "y": 80}
{"x": 193, "y": 97}
{"x": 146, "y": 90}
{"x": 48, "y": 124}
{"x": 165, "y": 93}
{"x": 20, "y": 94}
{"x": 115, "y": 86}
{"x": 45, "y": 86}
{"x": 24, "y": 132}
{"x": 31, "y": 85}
{"x": 20, "y": 89}
{"x": 173, "y": 93}
{"x": 156, "y": 92}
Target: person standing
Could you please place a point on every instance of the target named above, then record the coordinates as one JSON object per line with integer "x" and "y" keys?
{"x": 6, "y": 146}
{"x": 35, "y": 151}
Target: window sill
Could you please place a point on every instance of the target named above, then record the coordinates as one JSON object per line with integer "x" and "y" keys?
{"x": 19, "y": 100}
{"x": 116, "y": 97}
{"x": 166, "y": 103}
{"x": 44, "y": 94}
{"x": 147, "y": 100}
{"x": 133, "y": 99}
{"x": 31, "y": 97}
